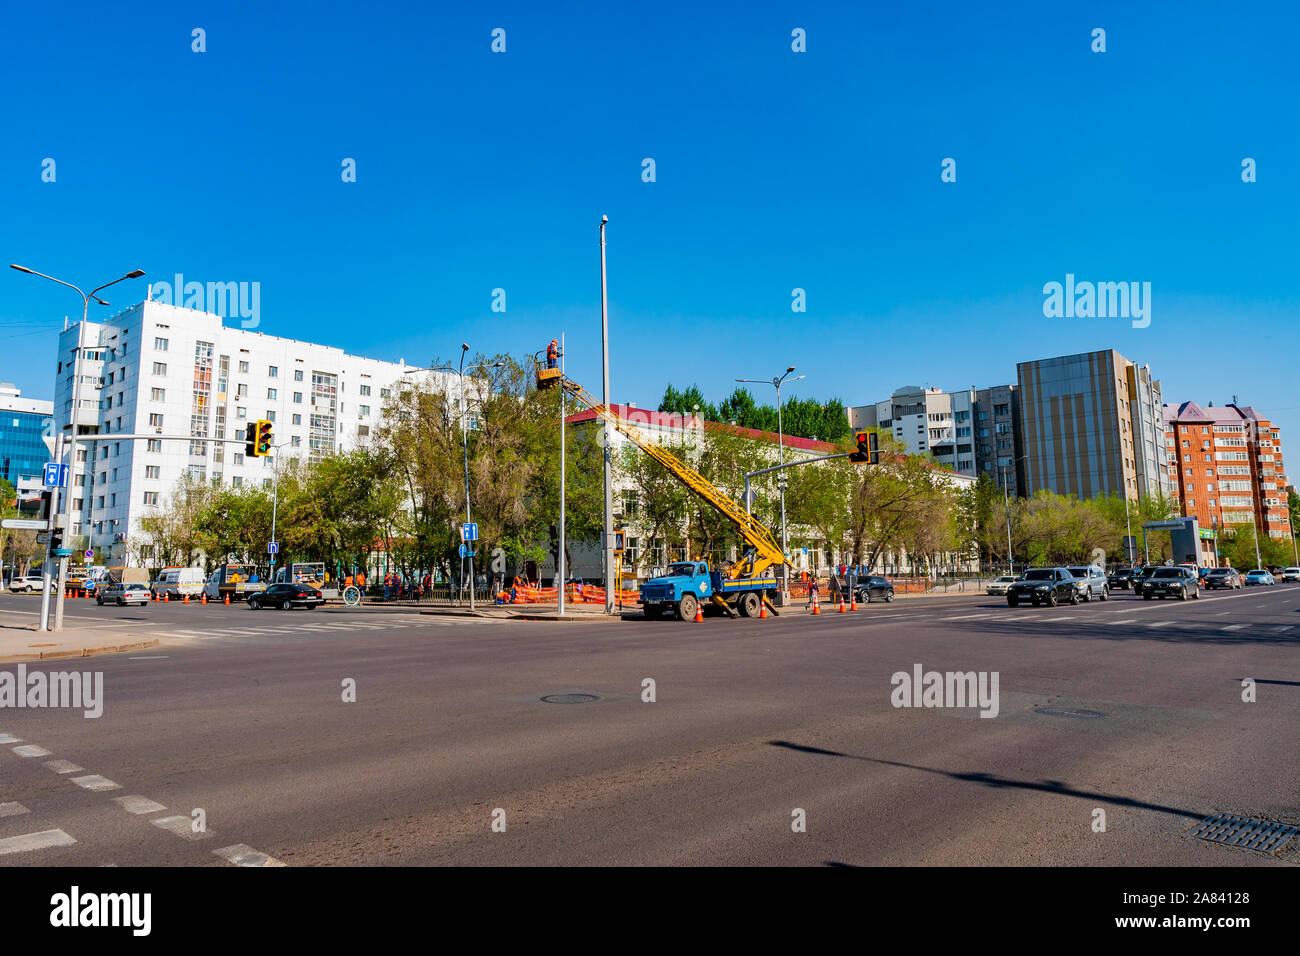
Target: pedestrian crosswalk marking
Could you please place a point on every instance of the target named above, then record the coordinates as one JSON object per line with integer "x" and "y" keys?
{"x": 35, "y": 841}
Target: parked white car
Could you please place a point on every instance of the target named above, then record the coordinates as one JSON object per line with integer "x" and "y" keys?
{"x": 26, "y": 583}
{"x": 1000, "y": 586}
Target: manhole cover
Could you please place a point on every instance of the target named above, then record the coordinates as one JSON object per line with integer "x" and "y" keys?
{"x": 1069, "y": 712}
{"x": 570, "y": 698}
{"x": 1249, "y": 833}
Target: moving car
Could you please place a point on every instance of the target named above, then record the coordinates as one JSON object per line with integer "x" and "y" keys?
{"x": 1141, "y": 574}
{"x": 874, "y": 588}
{"x": 1121, "y": 579}
{"x": 1222, "y": 578}
{"x": 1291, "y": 574}
{"x": 1259, "y": 576}
{"x": 1048, "y": 586}
{"x": 123, "y": 593}
{"x": 27, "y": 583}
{"x": 1092, "y": 582}
{"x": 1170, "y": 582}
{"x": 1001, "y": 585}
{"x": 286, "y": 596}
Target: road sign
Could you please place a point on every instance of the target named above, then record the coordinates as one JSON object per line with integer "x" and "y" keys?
{"x": 469, "y": 531}
{"x": 273, "y": 547}
{"x": 56, "y": 474}
{"x": 24, "y": 524}
{"x": 43, "y": 538}
{"x": 618, "y": 542}
{"x": 89, "y": 554}
{"x": 464, "y": 551}
{"x": 1174, "y": 525}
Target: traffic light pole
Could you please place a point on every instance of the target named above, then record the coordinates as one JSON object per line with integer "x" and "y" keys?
{"x": 55, "y": 510}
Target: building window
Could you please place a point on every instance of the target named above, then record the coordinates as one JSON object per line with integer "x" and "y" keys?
{"x": 270, "y": 394}
{"x": 152, "y": 471}
{"x": 243, "y": 366}
{"x": 239, "y": 458}
{"x": 241, "y": 391}
{"x": 160, "y": 345}
{"x": 385, "y": 393}
{"x": 273, "y": 371}
{"x": 364, "y": 412}
{"x": 237, "y": 481}
{"x": 296, "y": 440}
{"x": 270, "y": 415}
{"x": 241, "y": 413}
{"x": 297, "y": 375}
{"x": 363, "y": 430}
{"x": 297, "y": 398}
{"x": 297, "y": 419}
{"x": 160, "y": 368}
{"x": 153, "y": 444}
{"x": 365, "y": 389}
{"x": 156, "y": 420}
{"x": 155, "y": 395}
{"x": 266, "y": 484}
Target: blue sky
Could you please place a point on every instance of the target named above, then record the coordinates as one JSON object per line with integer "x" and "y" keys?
{"x": 775, "y": 170}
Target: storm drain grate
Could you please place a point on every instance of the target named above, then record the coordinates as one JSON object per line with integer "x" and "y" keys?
{"x": 1249, "y": 833}
{"x": 1069, "y": 712}
{"x": 570, "y": 698}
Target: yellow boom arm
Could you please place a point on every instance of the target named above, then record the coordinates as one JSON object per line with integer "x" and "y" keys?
{"x": 763, "y": 551}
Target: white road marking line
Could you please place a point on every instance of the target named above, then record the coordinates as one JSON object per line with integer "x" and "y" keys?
{"x": 1222, "y": 613}
{"x": 1284, "y": 628}
{"x": 12, "y": 809}
{"x": 31, "y": 750}
{"x": 1127, "y": 620}
{"x": 138, "y": 804}
{"x": 964, "y": 617}
{"x": 181, "y": 826}
{"x": 6, "y": 739}
{"x": 35, "y": 841}
{"x": 63, "y": 766}
{"x": 95, "y": 782}
{"x": 1160, "y": 623}
{"x": 241, "y": 854}
{"x": 1233, "y": 627}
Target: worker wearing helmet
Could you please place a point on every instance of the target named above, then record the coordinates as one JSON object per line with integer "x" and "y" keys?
{"x": 553, "y": 354}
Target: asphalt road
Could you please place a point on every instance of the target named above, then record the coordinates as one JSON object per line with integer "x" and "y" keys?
{"x": 240, "y": 714}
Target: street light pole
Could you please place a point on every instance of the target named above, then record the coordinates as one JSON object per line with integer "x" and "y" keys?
{"x": 66, "y": 501}
{"x": 777, "y": 381}
{"x": 559, "y": 562}
{"x": 608, "y": 544}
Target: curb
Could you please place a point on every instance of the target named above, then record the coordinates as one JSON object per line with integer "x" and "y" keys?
{"x": 79, "y": 651}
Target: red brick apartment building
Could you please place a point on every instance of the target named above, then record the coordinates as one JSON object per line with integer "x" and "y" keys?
{"x": 1225, "y": 467}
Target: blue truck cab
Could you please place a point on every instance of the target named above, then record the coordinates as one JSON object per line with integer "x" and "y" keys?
{"x": 690, "y": 583}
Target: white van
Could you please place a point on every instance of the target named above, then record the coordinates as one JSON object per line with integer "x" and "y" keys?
{"x": 175, "y": 583}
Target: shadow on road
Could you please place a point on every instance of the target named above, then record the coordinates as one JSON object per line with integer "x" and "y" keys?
{"x": 997, "y": 781}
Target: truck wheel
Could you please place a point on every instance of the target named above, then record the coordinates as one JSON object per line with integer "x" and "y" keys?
{"x": 748, "y": 604}
{"x": 686, "y": 608}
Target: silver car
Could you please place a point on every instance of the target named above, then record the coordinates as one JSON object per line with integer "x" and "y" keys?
{"x": 1092, "y": 582}
{"x": 1001, "y": 585}
{"x": 123, "y": 594}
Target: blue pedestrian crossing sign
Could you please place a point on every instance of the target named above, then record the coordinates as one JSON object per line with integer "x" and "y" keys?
{"x": 469, "y": 531}
{"x": 56, "y": 474}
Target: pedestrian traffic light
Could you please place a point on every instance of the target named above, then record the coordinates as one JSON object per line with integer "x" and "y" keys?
{"x": 56, "y": 539}
{"x": 250, "y": 443}
{"x": 264, "y": 441}
{"x": 868, "y": 448}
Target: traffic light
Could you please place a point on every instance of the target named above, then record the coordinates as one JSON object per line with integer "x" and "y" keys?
{"x": 47, "y": 503}
{"x": 56, "y": 539}
{"x": 264, "y": 442}
{"x": 868, "y": 448}
{"x": 259, "y": 439}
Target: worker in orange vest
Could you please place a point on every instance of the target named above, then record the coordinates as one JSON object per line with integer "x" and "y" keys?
{"x": 553, "y": 354}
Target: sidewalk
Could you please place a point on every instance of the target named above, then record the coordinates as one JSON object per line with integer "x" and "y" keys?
{"x": 20, "y": 642}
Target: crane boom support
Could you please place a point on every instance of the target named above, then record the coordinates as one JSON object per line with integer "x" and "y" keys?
{"x": 765, "y": 550}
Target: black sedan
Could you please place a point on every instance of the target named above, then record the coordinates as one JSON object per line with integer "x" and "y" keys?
{"x": 874, "y": 588}
{"x": 1170, "y": 582}
{"x": 1048, "y": 586}
{"x": 286, "y": 597}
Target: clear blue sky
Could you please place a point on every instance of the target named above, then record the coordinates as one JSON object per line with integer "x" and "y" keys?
{"x": 775, "y": 170}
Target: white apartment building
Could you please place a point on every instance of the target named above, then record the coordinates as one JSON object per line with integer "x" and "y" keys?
{"x": 162, "y": 369}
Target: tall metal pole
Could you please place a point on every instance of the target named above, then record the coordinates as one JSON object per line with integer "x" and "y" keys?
{"x": 780, "y": 485}
{"x": 464, "y": 443}
{"x": 608, "y": 535}
{"x": 275, "y": 504}
{"x": 1006, "y": 504}
{"x": 1259, "y": 562}
{"x": 72, "y": 460}
{"x": 559, "y": 564}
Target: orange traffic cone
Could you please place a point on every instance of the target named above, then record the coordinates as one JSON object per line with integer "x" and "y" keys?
{"x": 699, "y": 614}
{"x": 204, "y": 598}
{"x": 167, "y": 596}
{"x": 762, "y": 610}
{"x": 853, "y": 600}
{"x": 841, "y": 608}
{"x": 227, "y": 598}
{"x": 817, "y": 607}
